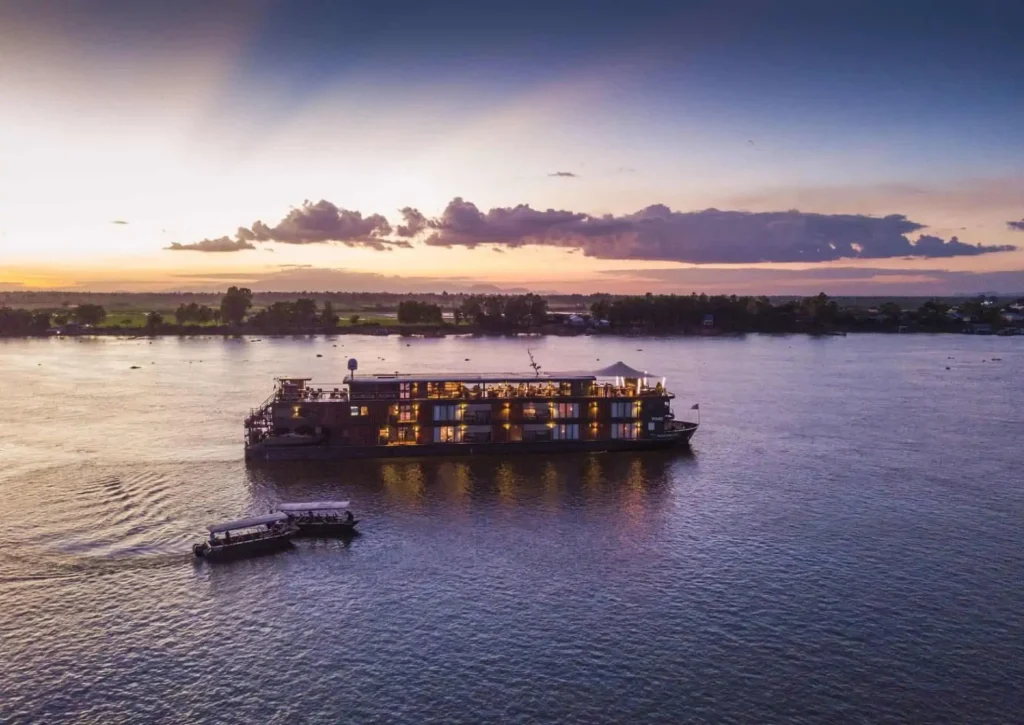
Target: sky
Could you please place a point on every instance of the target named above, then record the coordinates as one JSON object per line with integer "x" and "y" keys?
{"x": 733, "y": 146}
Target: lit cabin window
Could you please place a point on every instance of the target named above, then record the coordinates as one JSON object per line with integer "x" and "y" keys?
{"x": 407, "y": 434}
{"x": 568, "y": 410}
{"x": 359, "y": 410}
{"x": 448, "y": 434}
{"x": 406, "y": 413}
{"x": 404, "y": 390}
{"x": 625, "y": 431}
{"x": 566, "y": 432}
{"x": 626, "y": 409}
{"x": 447, "y": 413}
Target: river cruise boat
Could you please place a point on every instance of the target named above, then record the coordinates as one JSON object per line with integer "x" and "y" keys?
{"x": 395, "y": 415}
{"x": 247, "y": 537}
{"x": 321, "y": 518}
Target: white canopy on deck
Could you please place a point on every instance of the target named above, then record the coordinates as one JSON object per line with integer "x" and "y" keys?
{"x": 246, "y": 523}
{"x": 622, "y": 370}
{"x": 314, "y": 506}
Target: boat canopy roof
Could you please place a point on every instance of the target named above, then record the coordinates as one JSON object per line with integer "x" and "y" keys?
{"x": 247, "y": 523}
{"x": 622, "y": 370}
{"x": 617, "y": 370}
{"x": 313, "y": 506}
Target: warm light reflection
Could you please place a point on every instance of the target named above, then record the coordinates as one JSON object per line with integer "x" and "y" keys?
{"x": 404, "y": 484}
{"x": 592, "y": 476}
{"x": 633, "y": 495}
{"x": 455, "y": 479}
{"x": 550, "y": 479}
{"x": 505, "y": 479}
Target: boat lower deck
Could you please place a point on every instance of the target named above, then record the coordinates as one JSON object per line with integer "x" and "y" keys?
{"x": 314, "y": 529}
{"x": 262, "y": 452}
{"x": 244, "y": 548}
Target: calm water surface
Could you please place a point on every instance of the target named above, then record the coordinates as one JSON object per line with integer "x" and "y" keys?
{"x": 844, "y": 544}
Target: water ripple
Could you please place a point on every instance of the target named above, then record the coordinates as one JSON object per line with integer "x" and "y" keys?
{"x": 844, "y": 545}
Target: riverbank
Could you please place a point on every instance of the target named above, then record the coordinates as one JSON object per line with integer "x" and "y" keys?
{"x": 692, "y": 315}
{"x": 477, "y": 331}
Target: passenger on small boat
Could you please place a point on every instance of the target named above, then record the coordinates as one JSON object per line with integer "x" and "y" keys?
{"x": 253, "y": 535}
{"x": 321, "y": 517}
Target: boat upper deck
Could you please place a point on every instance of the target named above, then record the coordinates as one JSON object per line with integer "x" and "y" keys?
{"x": 469, "y": 378}
{"x": 620, "y": 381}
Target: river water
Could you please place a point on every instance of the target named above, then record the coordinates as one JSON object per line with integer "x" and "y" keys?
{"x": 844, "y": 543}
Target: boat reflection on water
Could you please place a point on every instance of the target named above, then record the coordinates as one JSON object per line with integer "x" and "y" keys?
{"x": 619, "y": 482}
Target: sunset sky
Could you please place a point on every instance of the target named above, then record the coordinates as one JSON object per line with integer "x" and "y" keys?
{"x": 759, "y": 147}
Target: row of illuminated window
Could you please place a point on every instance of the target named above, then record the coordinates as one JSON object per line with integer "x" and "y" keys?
{"x": 454, "y": 413}
{"x": 556, "y": 410}
{"x": 561, "y": 432}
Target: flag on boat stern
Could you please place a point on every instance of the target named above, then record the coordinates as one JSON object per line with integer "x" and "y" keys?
{"x": 695, "y": 406}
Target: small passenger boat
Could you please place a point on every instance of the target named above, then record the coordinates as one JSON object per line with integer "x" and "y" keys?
{"x": 247, "y": 537}
{"x": 320, "y": 518}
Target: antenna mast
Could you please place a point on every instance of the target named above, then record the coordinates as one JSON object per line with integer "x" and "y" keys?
{"x": 533, "y": 363}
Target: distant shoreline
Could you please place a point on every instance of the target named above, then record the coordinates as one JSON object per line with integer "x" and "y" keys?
{"x": 469, "y": 331}
{"x": 486, "y": 315}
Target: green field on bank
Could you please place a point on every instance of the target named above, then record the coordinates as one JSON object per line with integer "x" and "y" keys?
{"x": 137, "y": 319}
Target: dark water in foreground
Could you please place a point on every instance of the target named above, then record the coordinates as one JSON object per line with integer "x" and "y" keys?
{"x": 843, "y": 545}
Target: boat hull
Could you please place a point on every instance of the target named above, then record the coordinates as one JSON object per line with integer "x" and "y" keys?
{"x": 675, "y": 438}
{"x": 243, "y": 549}
{"x": 314, "y": 529}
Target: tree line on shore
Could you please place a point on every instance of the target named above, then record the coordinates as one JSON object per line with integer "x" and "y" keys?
{"x": 498, "y": 313}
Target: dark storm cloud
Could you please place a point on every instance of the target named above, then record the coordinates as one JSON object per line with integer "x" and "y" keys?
{"x": 415, "y": 222}
{"x": 564, "y": 174}
{"x": 223, "y": 244}
{"x": 463, "y": 224}
{"x": 319, "y": 223}
{"x": 709, "y": 236}
{"x": 324, "y": 222}
{"x": 1016, "y": 226}
{"x": 933, "y": 247}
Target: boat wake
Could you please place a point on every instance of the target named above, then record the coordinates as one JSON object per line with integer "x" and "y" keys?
{"x": 108, "y": 521}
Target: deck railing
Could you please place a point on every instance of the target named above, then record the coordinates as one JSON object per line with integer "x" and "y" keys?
{"x": 514, "y": 392}
{"x": 328, "y": 393}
